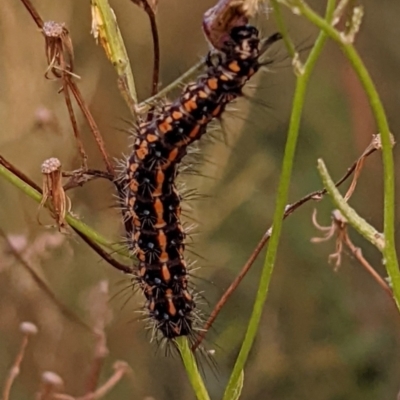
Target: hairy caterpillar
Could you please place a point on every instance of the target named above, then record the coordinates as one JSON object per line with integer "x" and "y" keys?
{"x": 151, "y": 200}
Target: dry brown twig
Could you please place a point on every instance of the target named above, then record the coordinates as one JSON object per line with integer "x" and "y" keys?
{"x": 28, "y": 329}
{"x": 43, "y": 285}
{"x": 81, "y": 176}
{"x": 339, "y": 229}
{"x": 121, "y": 368}
{"x": 51, "y": 384}
{"x": 150, "y": 7}
{"x": 100, "y": 315}
{"x": 59, "y": 53}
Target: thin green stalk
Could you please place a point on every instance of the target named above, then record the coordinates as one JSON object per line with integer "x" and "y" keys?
{"x": 191, "y": 369}
{"x": 78, "y": 225}
{"x": 287, "y": 165}
{"x": 389, "y": 251}
{"x": 282, "y": 28}
{"x": 105, "y": 26}
{"x": 358, "y": 223}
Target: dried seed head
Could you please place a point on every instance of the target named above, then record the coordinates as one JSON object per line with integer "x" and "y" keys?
{"x": 59, "y": 49}
{"x": 28, "y": 328}
{"x": 51, "y": 165}
{"x": 53, "y": 29}
{"x": 53, "y": 190}
{"x": 121, "y": 365}
{"x": 52, "y": 379}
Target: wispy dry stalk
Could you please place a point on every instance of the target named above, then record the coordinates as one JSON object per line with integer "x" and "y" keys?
{"x": 50, "y": 385}
{"x": 34, "y": 14}
{"x": 150, "y": 7}
{"x": 100, "y": 316}
{"x": 121, "y": 368}
{"x": 92, "y": 124}
{"x": 43, "y": 285}
{"x": 316, "y": 195}
{"x": 28, "y": 329}
{"x": 375, "y": 144}
{"x": 81, "y": 176}
{"x": 105, "y": 255}
{"x": 339, "y": 230}
{"x": 17, "y": 172}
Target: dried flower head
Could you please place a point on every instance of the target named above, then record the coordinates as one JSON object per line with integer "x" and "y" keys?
{"x": 53, "y": 190}
{"x": 338, "y": 228}
{"x": 28, "y": 328}
{"x": 51, "y": 378}
{"x": 59, "y": 50}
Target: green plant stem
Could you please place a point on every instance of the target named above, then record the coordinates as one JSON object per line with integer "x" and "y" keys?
{"x": 282, "y": 28}
{"x": 106, "y": 27}
{"x": 287, "y": 165}
{"x": 358, "y": 223}
{"x": 389, "y": 251}
{"x": 191, "y": 369}
{"x": 80, "y": 226}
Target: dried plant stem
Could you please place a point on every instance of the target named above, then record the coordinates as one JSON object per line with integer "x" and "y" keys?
{"x": 34, "y": 14}
{"x": 44, "y": 287}
{"x": 15, "y": 369}
{"x": 92, "y": 123}
{"x": 19, "y": 174}
{"x": 99, "y": 316}
{"x": 78, "y": 139}
{"x": 120, "y": 370}
{"x": 156, "y": 45}
{"x": 357, "y": 253}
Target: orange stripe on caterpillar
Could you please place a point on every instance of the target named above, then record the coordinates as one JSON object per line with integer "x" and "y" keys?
{"x": 152, "y": 199}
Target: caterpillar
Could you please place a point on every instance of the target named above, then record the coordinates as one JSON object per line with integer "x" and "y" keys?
{"x": 152, "y": 203}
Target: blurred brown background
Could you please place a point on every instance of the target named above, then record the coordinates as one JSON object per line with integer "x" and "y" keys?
{"x": 324, "y": 335}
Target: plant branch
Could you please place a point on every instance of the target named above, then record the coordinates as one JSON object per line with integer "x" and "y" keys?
{"x": 191, "y": 369}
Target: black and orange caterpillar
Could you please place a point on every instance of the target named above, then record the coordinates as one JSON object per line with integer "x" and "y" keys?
{"x": 152, "y": 203}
